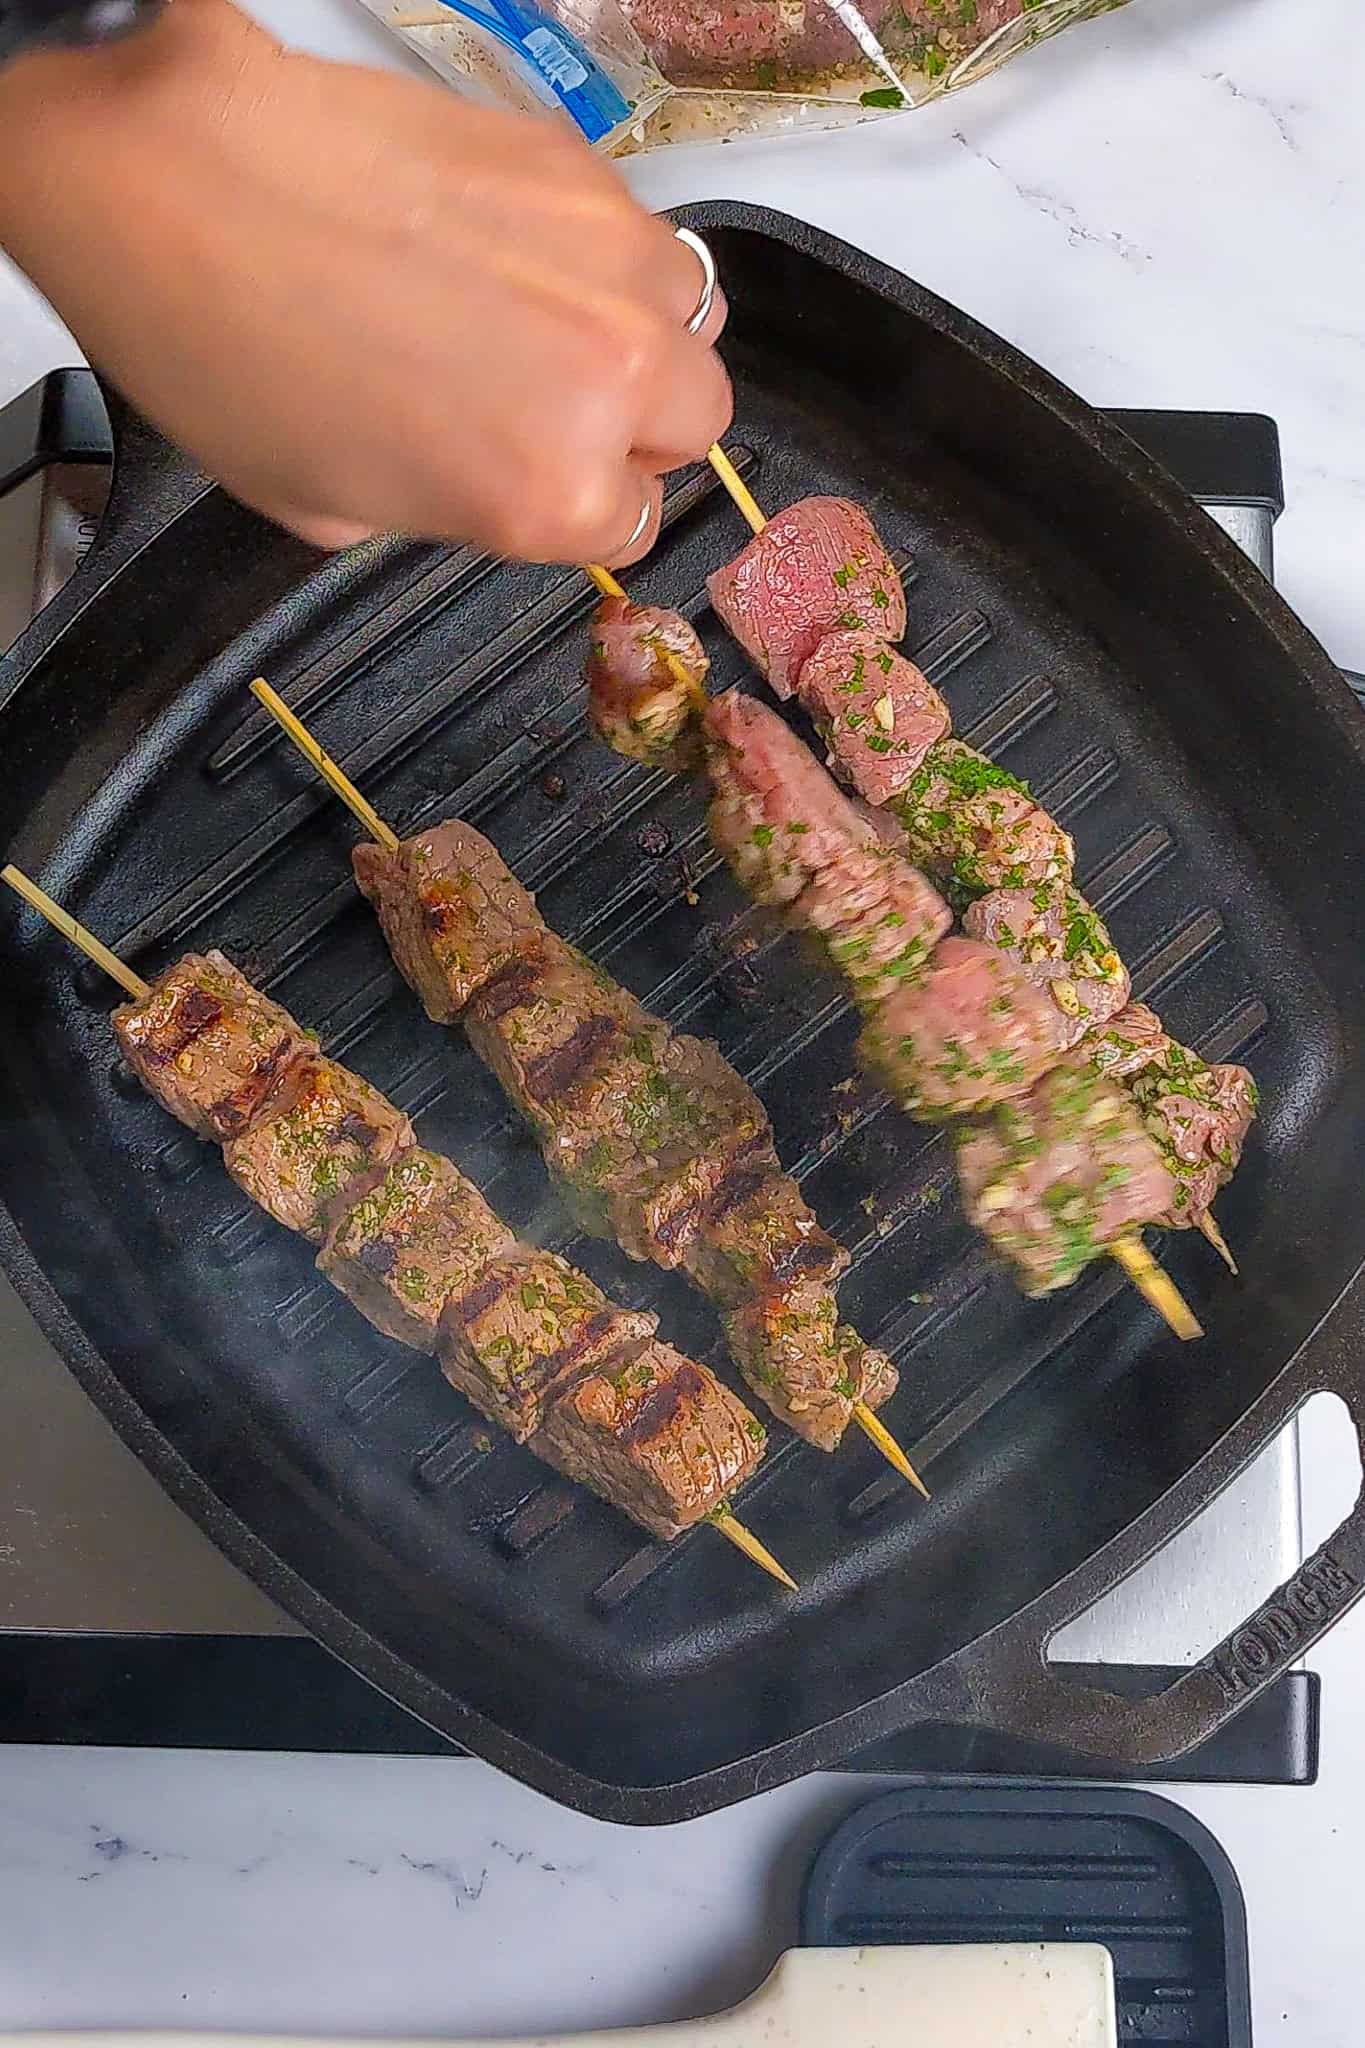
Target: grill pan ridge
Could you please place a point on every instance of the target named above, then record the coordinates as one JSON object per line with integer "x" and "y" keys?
{"x": 1090, "y": 626}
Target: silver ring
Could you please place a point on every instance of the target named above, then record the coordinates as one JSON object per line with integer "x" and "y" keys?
{"x": 709, "y": 279}
{"x": 646, "y": 514}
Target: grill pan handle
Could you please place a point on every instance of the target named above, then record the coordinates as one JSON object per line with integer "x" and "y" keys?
{"x": 1006, "y": 1683}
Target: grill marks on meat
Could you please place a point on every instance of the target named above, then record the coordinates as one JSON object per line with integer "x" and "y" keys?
{"x": 817, "y": 567}
{"x": 660, "y": 1435}
{"x": 636, "y": 702}
{"x": 320, "y": 1130}
{"x": 1062, "y": 945}
{"x": 451, "y": 917}
{"x": 978, "y": 826}
{"x": 1054, "y": 1179}
{"x": 531, "y": 1328}
{"x": 876, "y": 713}
{"x": 657, "y": 1140}
{"x": 807, "y": 1365}
{"x": 207, "y": 1044}
{"x": 417, "y": 1233}
{"x": 413, "y": 1244}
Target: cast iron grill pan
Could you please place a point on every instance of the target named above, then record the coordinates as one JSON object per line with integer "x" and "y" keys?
{"x": 1092, "y": 628}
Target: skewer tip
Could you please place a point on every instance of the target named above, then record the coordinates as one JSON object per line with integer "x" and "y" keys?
{"x": 745, "y": 1540}
{"x": 1210, "y": 1229}
{"x": 881, "y": 1436}
{"x": 1157, "y": 1287}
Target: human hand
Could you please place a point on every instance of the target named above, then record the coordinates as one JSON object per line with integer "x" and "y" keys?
{"x": 360, "y": 303}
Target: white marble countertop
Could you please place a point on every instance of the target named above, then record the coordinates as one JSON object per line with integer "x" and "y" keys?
{"x": 1166, "y": 208}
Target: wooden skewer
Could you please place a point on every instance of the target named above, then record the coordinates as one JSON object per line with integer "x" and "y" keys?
{"x": 1156, "y": 1286}
{"x": 375, "y": 826}
{"x": 335, "y": 778}
{"x": 872, "y": 1426}
{"x": 66, "y": 924}
{"x": 736, "y": 486}
{"x": 745, "y": 1540}
{"x": 1209, "y": 1227}
{"x": 742, "y": 1538}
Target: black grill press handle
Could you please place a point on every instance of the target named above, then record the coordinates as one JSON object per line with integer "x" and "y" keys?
{"x": 1005, "y": 1682}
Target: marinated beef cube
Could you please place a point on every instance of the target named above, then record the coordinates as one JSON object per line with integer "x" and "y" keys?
{"x": 1128, "y": 1042}
{"x": 1062, "y": 945}
{"x": 971, "y": 1032}
{"x": 451, "y": 910}
{"x": 319, "y": 1132}
{"x": 1055, "y": 1178}
{"x": 208, "y": 1045}
{"x": 529, "y": 1328}
{"x": 876, "y": 713}
{"x": 760, "y": 1235}
{"x": 776, "y": 815}
{"x": 637, "y": 702}
{"x": 976, "y": 824}
{"x": 415, "y": 1234}
{"x": 1198, "y": 1117}
{"x": 878, "y": 919}
{"x": 803, "y": 1362}
{"x": 816, "y": 567}
{"x": 659, "y": 1437}
{"x": 797, "y": 844}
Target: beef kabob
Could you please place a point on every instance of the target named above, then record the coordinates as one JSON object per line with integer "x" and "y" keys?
{"x": 817, "y": 604}
{"x": 969, "y": 822}
{"x": 533, "y": 1343}
{"x": 653, "y": 1136}
{"x": 956, "y": 1031}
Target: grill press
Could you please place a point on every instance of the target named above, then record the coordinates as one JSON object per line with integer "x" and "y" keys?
{"x": 1091, "y": 627}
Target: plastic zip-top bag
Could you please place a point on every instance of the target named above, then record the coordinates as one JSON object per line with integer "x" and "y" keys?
{"x": 634, "y": 74}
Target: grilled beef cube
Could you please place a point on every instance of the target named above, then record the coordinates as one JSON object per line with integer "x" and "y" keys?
{"x": 690, "y": 1123}
{"x": 529, "y": 1328}
{"x": 562, "y": 1038}
{"x": 636, "y": 1122}
{"x": 319, "y": 1132}
{"x": 876, "y": 713}
{"x": 660, "y": 1438}
{"x": 1062, "y": 945}
{"x": 637, "y": 702}
{"x": 1053, "y": 1179}
{"x": 797, "y": 844}
{"x": 817, "y": 567}
{"x": 452, "y": 912}
{"x": 208, "y": 1045}
{"x": 977, "y": 825}
{"x": 416, "y": 1233}
{"x": 803, "y": 1362}
{"x": 759, "y": 1235}
{"x": 971, "y": 1032}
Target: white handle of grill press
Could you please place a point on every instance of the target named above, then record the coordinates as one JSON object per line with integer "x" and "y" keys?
{"x": 993, "y": 1995}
